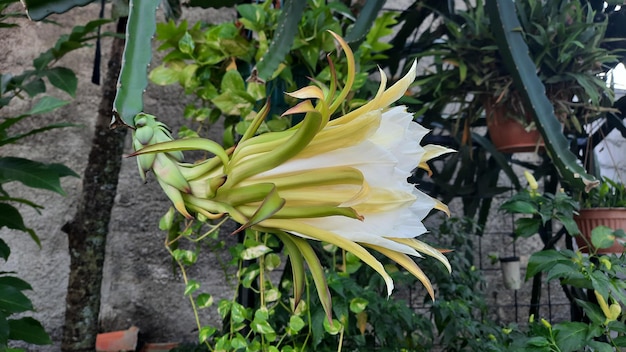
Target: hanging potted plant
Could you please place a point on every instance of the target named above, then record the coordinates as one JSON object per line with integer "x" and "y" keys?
{"x": 605, "y": 206}
{"x": 469, "y": 77}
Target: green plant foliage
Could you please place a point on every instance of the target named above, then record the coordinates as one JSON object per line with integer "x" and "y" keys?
{"x": 541, "y": 208}
{"x": 595, "y": 286}
{"x": 514, "y": 51}
{"x": 31, "y": 83}
{"x": 215, "y": 63}
{"x": 610, "y": 194}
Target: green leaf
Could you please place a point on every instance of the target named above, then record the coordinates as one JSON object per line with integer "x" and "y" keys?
{"x": 29, "y": 330}
{"x": 186, "y": 44}
{"x": 164, "y": 75}
{"x": 205, "y": 333}
{"x": 261, "y": 326}
{"x": 519, "y": 207}
{"x": 602, "y": 237}
{"x": 47, "y": 104}
{"x": 296, "y": 323}
{"x": 12, "y": 300}
{"x": 570, "y": 336}
{"x": 12, "y": 219}
{"x": 204, "y": 300}
{"x": 255, "y": 252}
{"x": 5, "y": 250}
{"x": 191, "y": 287}
{"x": 185, "y": 256}
{"x": 15, "y": 282}
{"x": 598, "y": 346}
{"x": 526, "y": 227}
{"x": 34, "y": 87}
{"x": 52, "y": 126}
{"x": 63, "y": 78}
{"x": 238, "y": 313}
{"x": 4, "y": 330}
{"x": 34, "y": 174}
{"x": 543, "y": 261}
{"x": 39, "y": 9}
{"x": 593, "y": 311}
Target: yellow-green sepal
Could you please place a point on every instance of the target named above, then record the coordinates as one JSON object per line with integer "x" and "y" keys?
{"x": 297, "y": 265}
{"x": 270, "y": 205}
{"x": 317, "y": 272}
{"x": 186, "y": 144}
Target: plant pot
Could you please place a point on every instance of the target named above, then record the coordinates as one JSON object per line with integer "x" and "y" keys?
{"x": 588, "y": 219}
{"x": 123, "y": 340}
{"x": 509, "y": 135}
{"x": 511, "y": 272}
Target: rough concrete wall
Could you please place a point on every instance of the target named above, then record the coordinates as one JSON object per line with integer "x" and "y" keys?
{"x": 140, "y": 286}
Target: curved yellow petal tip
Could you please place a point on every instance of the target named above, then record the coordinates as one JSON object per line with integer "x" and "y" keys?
{"x": 309, "y": 92}
{"x": 439, "y": 205}
{"x": 303, "y": 107}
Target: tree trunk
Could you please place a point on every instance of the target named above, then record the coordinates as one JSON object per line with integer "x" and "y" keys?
{"x": 87, "y": 231}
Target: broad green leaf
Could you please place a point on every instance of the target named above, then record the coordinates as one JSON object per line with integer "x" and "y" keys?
{"x": 598, "y": 346}
{"x": 5, "y": 250}
{"x": 272, "y": 261}
{"x": 543, "y": 261}
{"x": 205, "y": 333}
{"x": 526, "y": 227}
{"x": 14, "y": 138}
{"x": 47, "y": 104}
{"x": 238, "y": 313}
{"x": 204, "y": 300}
{"x": 238, "y": 342}
{"x": 191, "y": 287}
{"x": 4, "y": 330}
{"x": 186, "y": 44}
{"x": 562, "y": 269}
{"x": 185, "y": 256}
{"x": 34, "y": 87}
{"x": 63, "y": 78}
{"x": 12, "y": 219}
{"x": 519, "y": 207}
{"x": 164, "y": 75}
{"x": 30, "y": 330}
{"x": 224, "y": 307}
{"x": 570, "y": 336}
{"x": 296, "y": 323}
{"x": 255, "y": 252}
{"x": 602, "y": 237}
{"x": 33, "y": 174}
{"x": 12, "y": 300}
{"x": 15, "y": 282}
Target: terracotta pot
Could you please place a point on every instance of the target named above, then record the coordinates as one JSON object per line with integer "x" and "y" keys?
{"x": 123, "y": 340}
{"x": 508, "y": 135}
{"x": 588, "y": 219}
